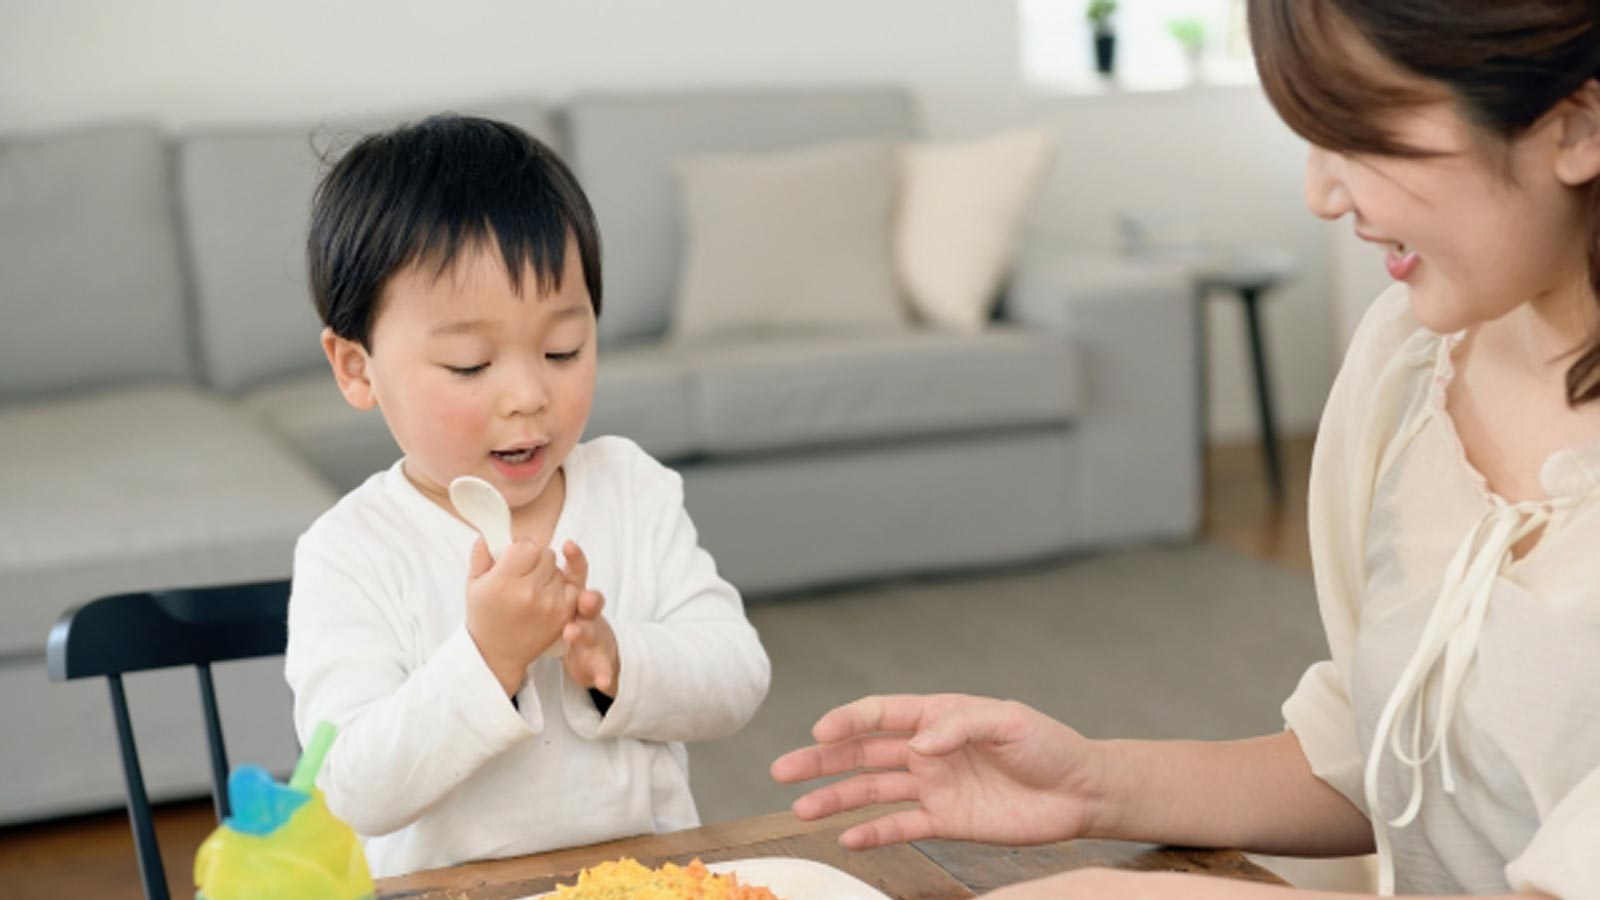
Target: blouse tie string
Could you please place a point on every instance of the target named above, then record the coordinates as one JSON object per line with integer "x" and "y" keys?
{"x": 1451, "y": 635}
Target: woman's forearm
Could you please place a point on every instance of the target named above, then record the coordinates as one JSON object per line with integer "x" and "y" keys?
{"x": 1256, "y": 794}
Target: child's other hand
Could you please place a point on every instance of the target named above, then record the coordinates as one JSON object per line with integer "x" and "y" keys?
{"x": 516, "y": 607}
{"x": 591, "y": 659}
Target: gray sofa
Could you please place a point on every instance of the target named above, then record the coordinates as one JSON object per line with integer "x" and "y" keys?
{"x": 166, "y": 417}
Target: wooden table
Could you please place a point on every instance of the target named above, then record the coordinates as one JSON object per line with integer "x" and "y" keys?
{"x": 927, "y": 870}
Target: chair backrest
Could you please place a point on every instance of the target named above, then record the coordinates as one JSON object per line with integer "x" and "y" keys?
{"x": 159, "y": 630}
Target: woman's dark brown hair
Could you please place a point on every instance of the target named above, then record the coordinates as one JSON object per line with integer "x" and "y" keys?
{"x": 1504, "y": 62}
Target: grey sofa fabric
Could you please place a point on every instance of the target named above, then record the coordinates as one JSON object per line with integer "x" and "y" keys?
{"x": 246, "y": 198}
{"x": 307, "y": 411}
{"x": 1141, "y": 433}
{"x": 624, "y": 148}
{"x": 134, "y": 489}
{"x": 641, "y": 392}
{"x": 122, "y": 490}
{"x": 773, "y": 395}
{"x": 64, "y": 758}
{"x": 90, "y": 286}
{"x": 889, "y": 509}
{"x": 725, "y": 398}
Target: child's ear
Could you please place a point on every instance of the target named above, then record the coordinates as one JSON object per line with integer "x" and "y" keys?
{"x": 1577, "y": 160}
{"x": 351, "y": 369}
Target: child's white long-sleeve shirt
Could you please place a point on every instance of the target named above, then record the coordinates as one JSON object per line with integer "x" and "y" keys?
{"x": 1461, "y": 680}
{"x": 434, "y": 765}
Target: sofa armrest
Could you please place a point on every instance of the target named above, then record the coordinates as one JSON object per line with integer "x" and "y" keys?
{"x": 1137, "y": 326}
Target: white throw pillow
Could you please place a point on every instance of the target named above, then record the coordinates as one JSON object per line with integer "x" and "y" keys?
{"x": 960, "y": 206}
{"x": 793, "y": 240}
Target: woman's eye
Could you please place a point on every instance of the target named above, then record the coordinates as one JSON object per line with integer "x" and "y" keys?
{"x": 563, "y": 357}
{"x": 467, "y": 371}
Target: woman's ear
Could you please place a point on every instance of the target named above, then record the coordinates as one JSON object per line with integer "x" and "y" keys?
{"x": 351, "y": 369}
{"x": 1577, "y": 159}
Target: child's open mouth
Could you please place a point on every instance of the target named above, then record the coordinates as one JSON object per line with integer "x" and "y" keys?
{"x": 522, "y": 462}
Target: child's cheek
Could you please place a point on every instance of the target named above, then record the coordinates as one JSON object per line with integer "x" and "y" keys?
{"x": 462, "y": 420}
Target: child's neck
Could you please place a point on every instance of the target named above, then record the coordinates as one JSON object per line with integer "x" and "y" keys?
{"x": 537, "y": 519}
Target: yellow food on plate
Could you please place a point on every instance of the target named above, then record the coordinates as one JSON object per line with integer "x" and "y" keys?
{"x": 627, "y": 879}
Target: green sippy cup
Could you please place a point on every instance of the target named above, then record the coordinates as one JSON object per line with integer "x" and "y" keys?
{"x": 281, "y": 843}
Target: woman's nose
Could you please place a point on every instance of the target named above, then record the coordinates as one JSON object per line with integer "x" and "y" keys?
{"x": 1327, "y": 196}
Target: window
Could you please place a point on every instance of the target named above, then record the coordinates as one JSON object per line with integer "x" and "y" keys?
{"x": 1057, "y": 44}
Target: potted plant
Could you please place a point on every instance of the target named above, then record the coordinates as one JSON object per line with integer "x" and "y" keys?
{"x": 1190, "y": 33}
{"x": 1105, "y": 39}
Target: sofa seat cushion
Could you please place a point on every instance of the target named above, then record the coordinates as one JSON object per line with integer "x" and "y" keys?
{"x": 778, "y": 394}
{"x": 345, "y": 445}
{"x": 640, "y": 393}
{"x": 136, "y": 489}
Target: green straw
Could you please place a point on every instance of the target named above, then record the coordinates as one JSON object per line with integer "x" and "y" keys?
{"x": 305, "y": 771}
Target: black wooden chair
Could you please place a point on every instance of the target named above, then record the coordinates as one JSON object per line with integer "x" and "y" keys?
{"x": 159, "y": 630}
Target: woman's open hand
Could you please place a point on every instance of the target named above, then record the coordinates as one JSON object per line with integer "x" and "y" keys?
{"x": 977, "y": 768}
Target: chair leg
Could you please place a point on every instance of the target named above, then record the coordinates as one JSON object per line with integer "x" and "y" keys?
{"x": 219, "y": 751}
{"x": 151, "y": 872}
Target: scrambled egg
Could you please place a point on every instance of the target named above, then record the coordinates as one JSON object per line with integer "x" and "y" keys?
{"x": 627, "y": 879}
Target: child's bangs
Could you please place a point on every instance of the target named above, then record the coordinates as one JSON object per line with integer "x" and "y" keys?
{"x": 522, "y": 245}
{"x": 1315, "y": 78}
{"x": 479, "y": 186}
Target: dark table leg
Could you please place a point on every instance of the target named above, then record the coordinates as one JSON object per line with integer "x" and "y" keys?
{"x": 1269, "y": 430}
{"x": 1202, "y": 390}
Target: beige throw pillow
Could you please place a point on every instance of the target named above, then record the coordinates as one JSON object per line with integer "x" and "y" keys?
{"x": 788, "y": 241}
{"x": 960, "y": 206}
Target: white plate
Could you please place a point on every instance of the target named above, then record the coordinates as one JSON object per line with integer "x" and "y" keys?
{"x": 791, "y": 878}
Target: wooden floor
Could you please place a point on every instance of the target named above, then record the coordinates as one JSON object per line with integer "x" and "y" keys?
{"x": 92, "y": 856}
{"x": 1240, "y": 512}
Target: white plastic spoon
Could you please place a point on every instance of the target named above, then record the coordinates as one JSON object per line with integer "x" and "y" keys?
{"x": 486, "y": 510}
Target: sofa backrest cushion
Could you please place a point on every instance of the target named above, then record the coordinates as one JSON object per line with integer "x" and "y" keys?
{"x": 246, "y": 202}
{"x": 91, "y": 284}
{"x": 624, "y": 148}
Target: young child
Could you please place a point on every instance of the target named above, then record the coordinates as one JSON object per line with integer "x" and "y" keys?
{"x": 456, "y": 265}
{"x": 1455, "y": 509}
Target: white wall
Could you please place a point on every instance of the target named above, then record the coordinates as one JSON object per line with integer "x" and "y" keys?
{"x": 1359, "y": 277}
{"x": 1220, "y": 155}
{"x": 192, "y": 64}
{"x": 191, "y": 61}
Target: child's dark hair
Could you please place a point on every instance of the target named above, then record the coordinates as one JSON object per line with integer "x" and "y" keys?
{"x": 424, "y": 193}
{"x": 1505, "y": 63}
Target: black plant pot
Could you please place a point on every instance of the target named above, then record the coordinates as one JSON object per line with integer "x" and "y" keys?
{"x": 1105, "y": 52}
